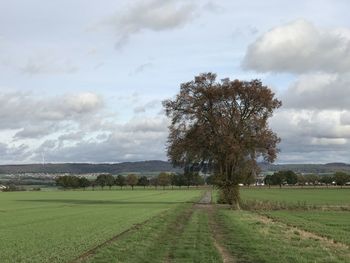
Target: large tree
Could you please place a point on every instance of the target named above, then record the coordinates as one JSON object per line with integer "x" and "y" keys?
{"x": 223, "y": 125}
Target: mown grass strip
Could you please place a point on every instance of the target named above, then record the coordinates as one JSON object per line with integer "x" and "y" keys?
{"x": 196, "y": 243}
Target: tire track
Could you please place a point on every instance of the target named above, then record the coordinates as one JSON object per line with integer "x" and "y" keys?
{"x": 92, "y": 251}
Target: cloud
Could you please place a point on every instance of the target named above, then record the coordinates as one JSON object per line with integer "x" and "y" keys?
{"x": 345, "y": 118}
{"x": 138, "y": 139}
{"x": 35, "y": 117}
{"x": 300, "y": 47}
{"x": 319, "y": 91}
{"x": 153, "y": 15}
{"x": 11, "y": 154}
{"x": 75, "y": 128}
{"x": 311, "y": 135}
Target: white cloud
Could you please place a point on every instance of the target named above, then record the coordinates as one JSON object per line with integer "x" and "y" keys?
{"x": 300, "y": 47}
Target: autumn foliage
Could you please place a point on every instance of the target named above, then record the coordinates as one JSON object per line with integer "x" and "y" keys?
{"x": 224, "y": 125}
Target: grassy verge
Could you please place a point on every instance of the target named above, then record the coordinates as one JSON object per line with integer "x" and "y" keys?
{"x": 250, "y": 239}
{"x": 331, "y": 224}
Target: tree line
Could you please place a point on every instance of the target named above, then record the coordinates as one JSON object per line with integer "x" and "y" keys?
{"x": 291, "y": 178}
{"x": 163, "y": 180}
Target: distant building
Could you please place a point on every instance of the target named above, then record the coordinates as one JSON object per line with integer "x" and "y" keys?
{"x": 260, "y": 179}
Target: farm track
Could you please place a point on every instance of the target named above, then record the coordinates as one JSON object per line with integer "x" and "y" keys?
{"x": 216, "y": 230}
{"x": 175, "y": 229}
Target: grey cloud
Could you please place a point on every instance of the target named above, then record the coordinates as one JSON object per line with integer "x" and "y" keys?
{"x": 154, "y": 15}
{"x": 72, "y": 136}
{"x": 35, "y": 131}
{"x": 139, "y": 139}
{"x": 311, "y": 136}
{"x": 300, "y": 47}
{"x": 11, "y": 154}
{"x": 319, "y": 91}
{"x": 345, "y": 118}
{"x": 40, "y": 116}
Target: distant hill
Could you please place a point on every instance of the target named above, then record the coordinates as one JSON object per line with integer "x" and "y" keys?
{"x": 85, "y": 168}
{"x": 307, "y": 168}
{"x": 152, "y": 167}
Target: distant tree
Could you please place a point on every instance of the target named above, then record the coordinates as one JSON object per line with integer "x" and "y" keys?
{"x": 301, "y": 179}
{"x": 179, "y": 180}
{"x": 67, "y": 181}
{"x": 278, "y": 178}
{"x": 154, "y": 181}
{"x": 101, "y": 180}
{"x": 291, "y": 177}
{"x": 164, "y": 179}
{"x": 326, "y": 179}
{"x": 93, "y": 184}
{"x": 268, "y": 180}
{"x": 197, "y": 179}
{"x": 173, "y": 180}
{"x": 188, "y": 178}
{"x": 143, "y": 181}
{"x": 120, "y": 181}
{"x": 84, "y": 182}
{"x": 341, "y": 178}
{"x": 110, "y": 181}
{"x": 312, "y": 179}
{"x": 132, "y": 180}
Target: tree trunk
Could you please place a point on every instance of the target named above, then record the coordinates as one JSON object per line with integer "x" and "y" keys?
{"x": 231, "y": 196}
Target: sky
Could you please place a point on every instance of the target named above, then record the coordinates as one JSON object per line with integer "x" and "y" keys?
{"x": 83, "y": 81}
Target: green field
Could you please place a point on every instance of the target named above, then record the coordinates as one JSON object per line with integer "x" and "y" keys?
{"x": 167, "y": 226}
{"x": 311, "y": 196}
{"x": 58, "y": 226}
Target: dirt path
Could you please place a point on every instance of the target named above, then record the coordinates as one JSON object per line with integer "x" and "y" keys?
{"x": 216, "y": 230}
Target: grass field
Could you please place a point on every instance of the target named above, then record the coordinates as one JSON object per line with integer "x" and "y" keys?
{"x": 167, "y": 226}
{"x": 311, "y": 196}
{"x": 58, "y": 226}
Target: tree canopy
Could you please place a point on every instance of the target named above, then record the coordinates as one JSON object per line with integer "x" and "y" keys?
{"x": 223, "y": 124}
